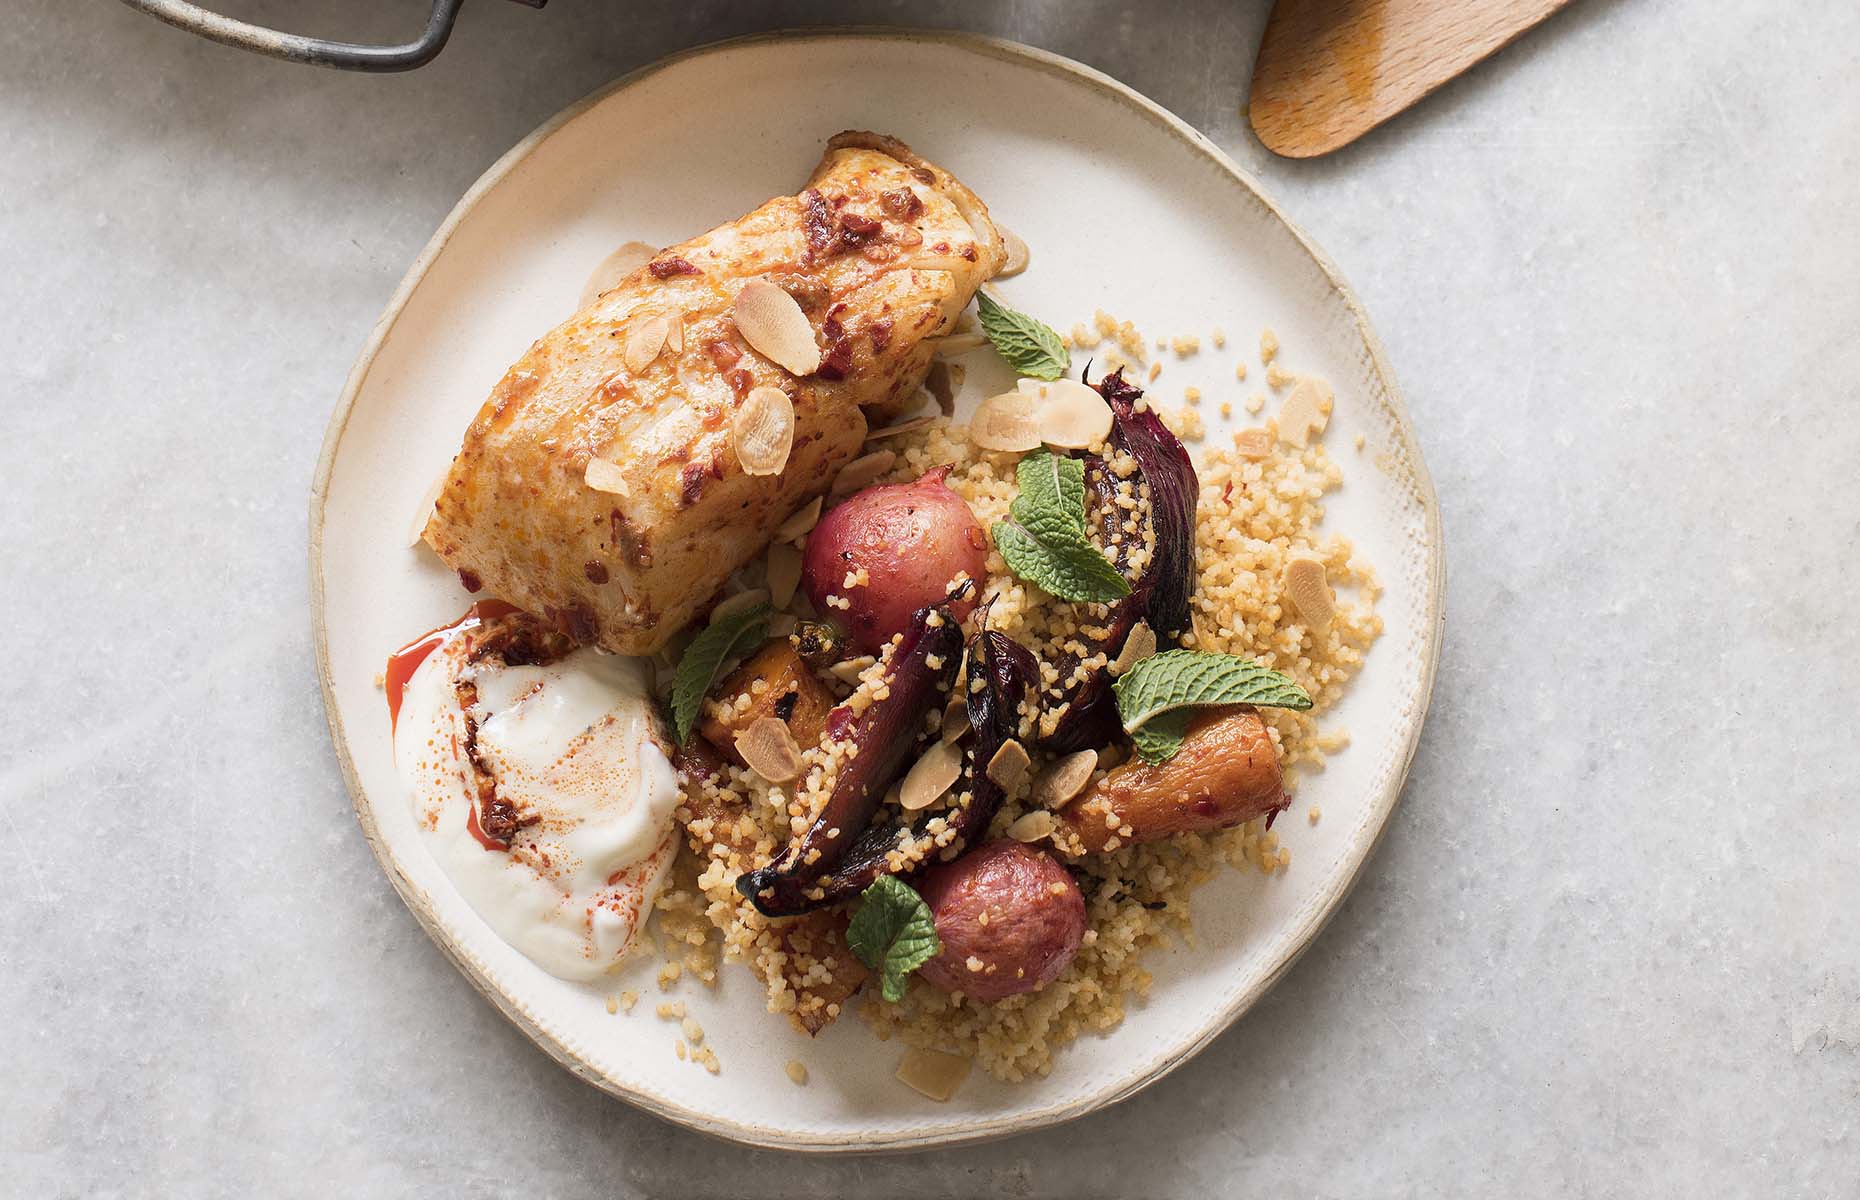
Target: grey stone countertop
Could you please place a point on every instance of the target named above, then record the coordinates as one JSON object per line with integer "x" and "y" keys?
{"x": 1610, "y": 944}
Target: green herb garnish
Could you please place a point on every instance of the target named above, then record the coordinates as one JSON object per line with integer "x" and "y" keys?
{"x": 705, "y": 657}
{"x": 893, "y": 933}
{"x": 1154, "y": 696}
{"x": 1044, "y": 539}
{"x": 1030, "y": 347}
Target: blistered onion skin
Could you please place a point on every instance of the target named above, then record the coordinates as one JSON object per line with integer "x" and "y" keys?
{"x": 885, "y": 733}
{"x": 910, "y": 539}
{"x": 1009, "y": 673}
{"x": 1161, "y": 594}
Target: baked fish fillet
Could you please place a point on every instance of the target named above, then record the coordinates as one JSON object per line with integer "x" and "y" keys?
{"x": 881, "y": 250}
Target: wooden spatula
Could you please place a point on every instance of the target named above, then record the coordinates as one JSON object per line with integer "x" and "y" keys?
{"x": 1329, "y": 71}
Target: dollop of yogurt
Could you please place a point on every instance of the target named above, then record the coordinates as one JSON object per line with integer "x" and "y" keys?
{"x": 543, "y": 792}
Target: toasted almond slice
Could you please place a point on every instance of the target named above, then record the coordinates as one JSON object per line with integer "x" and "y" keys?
{"x": 768, "y": 747}
{"x": 861, "y": 471}
{"x": 933, "y": 1073}
{"x": 1073, "y": 416}
{"x": 675, "y": 335}
{"x": 784, "y": 572}
{"x": 628, "y": 258}
{"x": 425, "y": 512}
{"x": 1063, "y": 778}
{"x": 902, "y": 427}
{"x": 956, "y": 717}
{"x": 604, "y": 476}
{"x": 1009, "y": 765}
{"x": 742, "y": 602}
{"x": 644, "y": 339}
{"x": 1032, "y": 826}
{"x": 1310, "y": 591}
{"x": 1253, "y": 443}
{"x": 782, "y": 624}
{"x": 960, "y": 343}
{"x": 1140, "y": 644}
{"x": 848, "y": 670}
{"x": 772, "y": 322}
{"x": 1016, "y": 253}
{"x": 764, "y": 431}
{"x": 799, "y": 522}
{"x": 930, "y": 776}
{"x": 1306, "y": 411}
{"x": 1007, "y": 422}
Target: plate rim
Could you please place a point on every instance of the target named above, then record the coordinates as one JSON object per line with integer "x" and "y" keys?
{"x": 1382, "y": 806}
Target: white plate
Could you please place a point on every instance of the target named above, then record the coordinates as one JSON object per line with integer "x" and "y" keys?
{"x": 1127, "y": 209}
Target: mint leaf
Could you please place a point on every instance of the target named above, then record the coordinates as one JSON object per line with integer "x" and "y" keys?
{"x": 1029, "y": 346}
{"x": 893, "y": 933}
{"x": 1050, "y": 481}
{"x": 1152, "y": 695}
{"x": 1044, "y": 539}
{"x": 1160, "y": 738}
{"x": 704, "y": 657}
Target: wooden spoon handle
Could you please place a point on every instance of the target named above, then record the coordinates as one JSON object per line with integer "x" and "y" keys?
{"x": 1329, "y": 71}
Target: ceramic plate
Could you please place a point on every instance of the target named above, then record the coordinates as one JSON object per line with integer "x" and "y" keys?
{"x": 1126, "y": 209}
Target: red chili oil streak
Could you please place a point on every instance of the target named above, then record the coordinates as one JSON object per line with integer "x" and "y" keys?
{"x": 405, "y": 661}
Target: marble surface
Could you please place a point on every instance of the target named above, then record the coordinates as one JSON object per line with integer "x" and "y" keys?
{"x": 1609, "y": 946}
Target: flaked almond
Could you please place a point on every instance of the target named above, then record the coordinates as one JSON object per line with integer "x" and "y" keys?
{"x": 861, "y": 471}
{"x": 1138, "y": 646}
{"x": 772, "y": 322}
{"x": 764, "y": 431}
{"x": 956, "y": 717}
{"x": 1306, "y": 411}
{"x": 644, "y": 339}
{"x": 425, "y": 512}
{"x": 848, "y": 670}
{"x": 782, "y": 624}
{"x": 800, "y": 521}
{"x": 769, "y": 749}
{"x": 960, "y": 343}
{"x": 1073, "y": 416}
{"x": 1009, "y": 765}
{"x": 604, "y": 476}
{"x": 1007, "y": 422}
{"x": 784, "y": 573}
{"x": 628, "y": 258}
{"x": 1306, "y": 584}
{"x": 1253, "y": 443}
{"x": 675, "y": 335}
{"x": 738, "y": 604}
{"x": 901, "y": 428}
{"x": 1033, "y": 826}
{"x": 1016, "y": 253}
{"x": 930, "y": 776}
{"x": 1063, "y": 778}
{"x": 933, "y": 1073}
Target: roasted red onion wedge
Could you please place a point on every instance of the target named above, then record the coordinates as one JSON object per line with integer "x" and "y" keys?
{"x": 881, "y": 739}
{"x": 1087, "y": 715}
{"x": 1008, "y": 674}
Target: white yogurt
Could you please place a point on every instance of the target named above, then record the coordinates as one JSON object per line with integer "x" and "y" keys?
{"x": 570, "y": 746}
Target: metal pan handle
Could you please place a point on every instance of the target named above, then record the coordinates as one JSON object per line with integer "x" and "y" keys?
{"x": 292, "y": 47}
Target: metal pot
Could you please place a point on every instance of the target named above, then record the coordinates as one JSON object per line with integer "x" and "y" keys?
{"x": 292, "y": 47}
